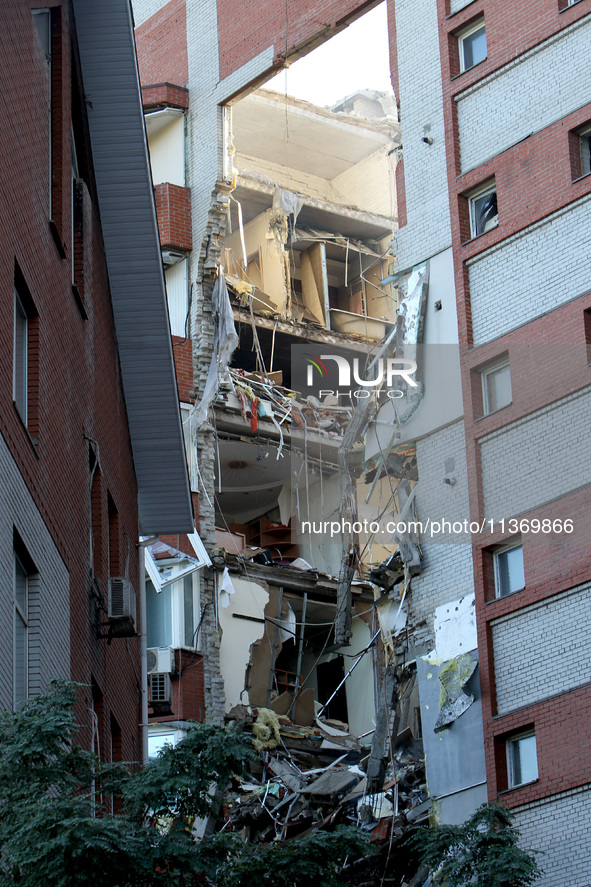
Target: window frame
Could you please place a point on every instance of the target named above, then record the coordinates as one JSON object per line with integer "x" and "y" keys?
{"x": 485, "y": 375}
{"x": 488, "y": 187}
{"x": 21, "y": 355}
{"x": 21, "y": 615}
{"x": 497, "y": 552}
{"x": 174, "y": 586}
{"x": 510, "y": 745}
{"x": 584, "y": 137}
{"x": 478, "y": 25}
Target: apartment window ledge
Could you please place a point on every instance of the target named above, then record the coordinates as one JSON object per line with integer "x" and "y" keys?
{"x": 57, "y": 238}
{"x": 584, "y": 176}
{"x": 516, "y": 788}
{"x": 493, "y": 412}
{"x": 34, "y": 441}
{"x": 467, "y": 71}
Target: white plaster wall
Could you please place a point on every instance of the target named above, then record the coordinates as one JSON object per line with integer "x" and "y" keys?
{"x": 322, "y": 551}
{"x": 525, "y": 95}
{"x": 359, "y": 686}
{"x": 558, "y": 827}
{"x": 49, "y": 603}
{"x": 427, "y": 231}
{"x": 238, "y": 635}
{"x": 538, "y": 651}
{"x": 286, "y": 177}
{"x": 167, "y": 153}
{"x": 535, "y": 271}
{"x": 533, "y": 476}
{"x": 369, "y": 185}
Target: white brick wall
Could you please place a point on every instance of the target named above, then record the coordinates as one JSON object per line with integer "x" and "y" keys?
{"x": 559, "y": 827}
{"x": 427, "y": 231}
{"x": 49, "y": 611}
{"x": 539, "y": 651}
{"x": 549, "y": 456}
{"x": 535, "y": 271}
{"x": 525, "y": 95}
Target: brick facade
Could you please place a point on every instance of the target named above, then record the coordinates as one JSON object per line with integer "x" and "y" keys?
{"x": 77, "y": 409}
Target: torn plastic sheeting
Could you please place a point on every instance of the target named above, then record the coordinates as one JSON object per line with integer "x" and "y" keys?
{"x": 287, "y": 202}
{"x": 453, "y": 677}
{"x": 409, "y": 334}
{"x": 225, "y": 341}
{"x": 226, "y": 589}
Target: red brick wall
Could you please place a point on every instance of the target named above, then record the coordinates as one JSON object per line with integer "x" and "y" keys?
{"x": 255, "y": 25}
{"x": 173, "y": 207}
{"x": 183, "y": 359}
{"x": 165, "y": 94}
{"x": 534, "y": 178}
{"x": 78, "y": 386}
{"x": 162, "y": 45}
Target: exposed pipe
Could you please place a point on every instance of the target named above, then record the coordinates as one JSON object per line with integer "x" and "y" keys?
{"x": 143, "y": 655}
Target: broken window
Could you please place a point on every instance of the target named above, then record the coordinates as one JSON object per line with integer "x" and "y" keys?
{"x": 508, "y": 569}
{"x": 484, "y": 214}
{"x": 472, "y": 45}
{"x": 522, "y": 759}
{"x": 496, "y": 386}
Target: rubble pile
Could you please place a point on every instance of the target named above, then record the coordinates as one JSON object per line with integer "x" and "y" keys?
{"x": 316, "y": 777}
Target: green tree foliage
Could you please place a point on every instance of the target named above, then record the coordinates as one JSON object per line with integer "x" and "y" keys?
{"x": 482, "y": 851}
{"x": 56, "y": 827}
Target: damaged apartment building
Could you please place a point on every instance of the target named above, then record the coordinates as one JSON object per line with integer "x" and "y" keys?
{"x": 276, "y": 222}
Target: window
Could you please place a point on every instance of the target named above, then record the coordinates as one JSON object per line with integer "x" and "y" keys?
{"x": 508, "y": 569}
{"x": 472, "y": 45}
{"x": 21, "y": 632}
{"x": 484, "y": 214}
{"x": 585, "y": 150}
{"x": 587, "y": 327}
{"x": 496, "y": 387}
{"x": 522, "y": 759}
{"x": 21, "y": 357}
{"x": 173, "y": 614}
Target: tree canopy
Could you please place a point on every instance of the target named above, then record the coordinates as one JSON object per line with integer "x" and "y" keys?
{"x": 57, "y": 826}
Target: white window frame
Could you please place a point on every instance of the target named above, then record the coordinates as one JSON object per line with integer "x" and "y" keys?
{"x": 503, "y": 549}
{"x": 21, "y": 615}
{"x": 485, "y": 375}
{"x": 468, "y": 32}
{"x": 510, "y": 751}
{"x": 584, "y": 136}
{"x": 173, "y": 583}
{"x": 21, "y": 356}
{"x": 484, "y": 190}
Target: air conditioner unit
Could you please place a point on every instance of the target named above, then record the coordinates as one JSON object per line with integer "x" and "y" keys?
{"x": 122, "y": 601}
{"x": 160, "y": 689}
{"x": 160, "y": 660}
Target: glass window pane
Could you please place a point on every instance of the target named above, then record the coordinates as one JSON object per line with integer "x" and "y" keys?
{"x": 484, "y": 212}
{"x": 189, "y": 639}
{"x": 159, "y": 616}
{"x": 157, "y": 741}
{"x": 510, "y": 574}
{"x": 525, "y": 762}
{"x": 474, "y": 46}
{"x": 498, "y": 388}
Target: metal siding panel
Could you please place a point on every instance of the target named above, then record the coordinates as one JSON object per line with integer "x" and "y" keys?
{"x": 132, "y": 247}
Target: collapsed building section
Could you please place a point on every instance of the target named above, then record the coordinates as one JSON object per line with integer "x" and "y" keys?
{"x": 353, "y": 646}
